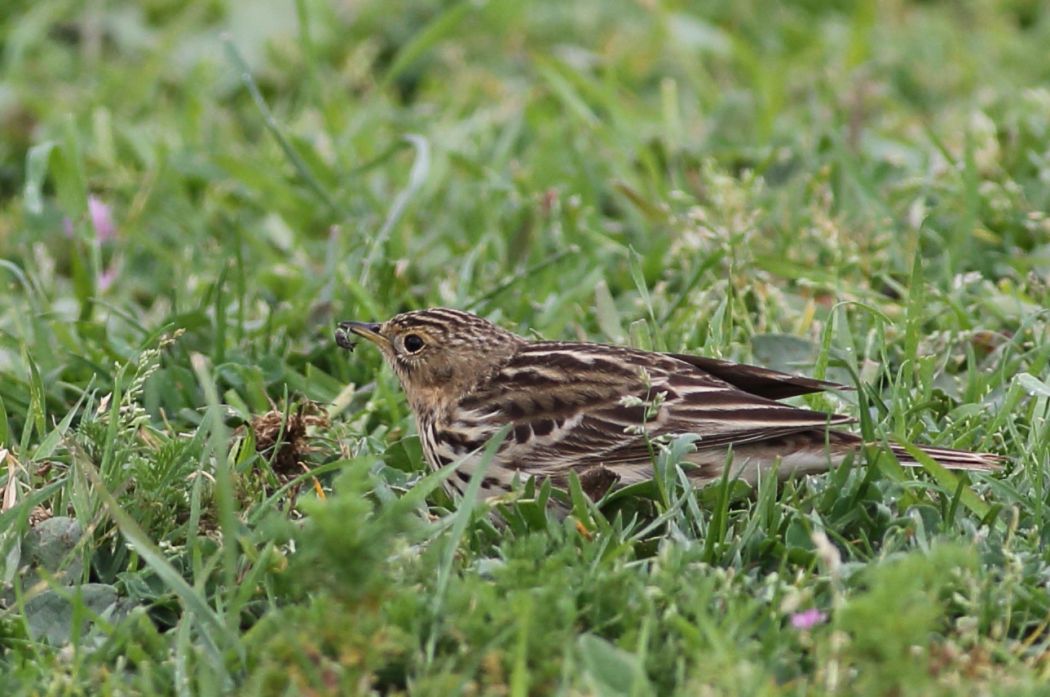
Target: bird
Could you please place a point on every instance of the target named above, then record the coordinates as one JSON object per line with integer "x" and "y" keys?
{"x": 598, "y": 409}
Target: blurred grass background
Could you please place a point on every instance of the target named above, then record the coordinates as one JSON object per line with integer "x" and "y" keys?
{"x": 203, "y": 494}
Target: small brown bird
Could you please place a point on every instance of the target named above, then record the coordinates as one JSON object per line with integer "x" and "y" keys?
{"x": 591, "y": 407}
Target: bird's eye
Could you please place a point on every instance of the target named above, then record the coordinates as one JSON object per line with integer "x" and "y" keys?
{"x": 413, "y": 343}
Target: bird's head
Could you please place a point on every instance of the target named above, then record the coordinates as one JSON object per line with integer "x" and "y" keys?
{"x": 438, "y": 354}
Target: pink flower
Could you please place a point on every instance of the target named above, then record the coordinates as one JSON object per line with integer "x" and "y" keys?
{"x": 107, "y": 277}
{"x": 807, "y": 619}
{"x": 101, "y": 219}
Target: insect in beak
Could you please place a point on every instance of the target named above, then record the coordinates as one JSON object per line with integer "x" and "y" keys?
{"x": 366, "y": 330}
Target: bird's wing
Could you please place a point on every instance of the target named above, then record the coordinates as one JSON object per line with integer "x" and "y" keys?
{"x": 579, "y": 405}
{"x": 771, "y": 384}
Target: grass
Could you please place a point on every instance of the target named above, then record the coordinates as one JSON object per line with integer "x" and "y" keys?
{"x": 203, "y": 494}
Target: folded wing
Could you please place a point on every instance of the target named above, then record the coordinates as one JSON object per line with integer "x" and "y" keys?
{"x": 578, "y": 405}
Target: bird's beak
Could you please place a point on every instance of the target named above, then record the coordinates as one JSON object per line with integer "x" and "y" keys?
{"x": 366, "y": 330}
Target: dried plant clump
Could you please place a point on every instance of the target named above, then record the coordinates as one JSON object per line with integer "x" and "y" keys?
{"x": 286, "y": 442}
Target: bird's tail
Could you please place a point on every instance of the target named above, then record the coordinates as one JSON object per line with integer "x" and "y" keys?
{"x": 952, "y": 459}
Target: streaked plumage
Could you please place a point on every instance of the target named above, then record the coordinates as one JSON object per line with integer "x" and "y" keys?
{"x": 580, "y": 406}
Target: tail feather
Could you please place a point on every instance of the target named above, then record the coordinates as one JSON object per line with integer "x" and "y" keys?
{"x": 952, "y": 459}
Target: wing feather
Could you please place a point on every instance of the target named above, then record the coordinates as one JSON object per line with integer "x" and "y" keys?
{"x": 771, "y": 384}
{"x": 567, "y": 403}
